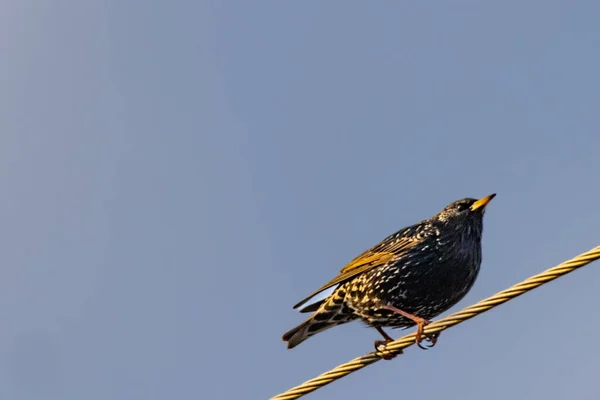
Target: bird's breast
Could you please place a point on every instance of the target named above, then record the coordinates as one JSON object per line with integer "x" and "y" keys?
{"x": 426, "y": 284}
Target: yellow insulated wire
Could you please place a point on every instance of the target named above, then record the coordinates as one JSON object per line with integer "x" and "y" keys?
{"x": 396, "y": 346}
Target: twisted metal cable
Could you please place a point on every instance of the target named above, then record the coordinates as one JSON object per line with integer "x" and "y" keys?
{"x": 396, "y": 346}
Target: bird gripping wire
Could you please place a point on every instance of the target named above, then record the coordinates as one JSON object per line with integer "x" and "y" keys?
{"x": 456, "y": 318}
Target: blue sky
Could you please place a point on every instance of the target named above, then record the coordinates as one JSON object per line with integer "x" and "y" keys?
{"x": 177, "y": 176}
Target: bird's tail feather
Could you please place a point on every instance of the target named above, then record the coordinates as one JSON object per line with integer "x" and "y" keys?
{"x": 305, "y": 330}
{"x": 330, "y": 313}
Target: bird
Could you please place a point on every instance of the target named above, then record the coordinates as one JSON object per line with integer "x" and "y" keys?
{"x": 410, "y": 277}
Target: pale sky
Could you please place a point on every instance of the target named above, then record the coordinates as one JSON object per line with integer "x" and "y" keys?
{"x": 177, "y": 175}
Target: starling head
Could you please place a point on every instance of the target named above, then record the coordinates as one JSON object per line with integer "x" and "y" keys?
{"x": 461, "y": 224}
{"x": 465, "y": 212}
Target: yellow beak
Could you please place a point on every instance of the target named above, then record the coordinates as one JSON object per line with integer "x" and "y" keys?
{"x": 481, "y": 203}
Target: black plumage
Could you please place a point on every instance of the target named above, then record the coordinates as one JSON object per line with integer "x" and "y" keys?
{"x": 410, "y": 277}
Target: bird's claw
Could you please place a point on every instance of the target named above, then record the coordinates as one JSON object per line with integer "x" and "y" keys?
{"x": 389, "y": 356}
{"x": 423, "y": 347}
{"x": 431, "y": 338}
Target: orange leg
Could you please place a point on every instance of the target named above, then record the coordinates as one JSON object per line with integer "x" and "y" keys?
{"x": 421, "y": 323}
{"x": 386, "y": 340}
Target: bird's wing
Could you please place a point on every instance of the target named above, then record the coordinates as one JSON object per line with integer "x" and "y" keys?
{"x": 374, "y": 257}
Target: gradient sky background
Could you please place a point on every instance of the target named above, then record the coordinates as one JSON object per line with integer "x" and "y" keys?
{"x": 176, "y": 176}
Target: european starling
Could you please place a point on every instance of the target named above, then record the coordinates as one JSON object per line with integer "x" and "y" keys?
{"x": 410, "y": 277}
